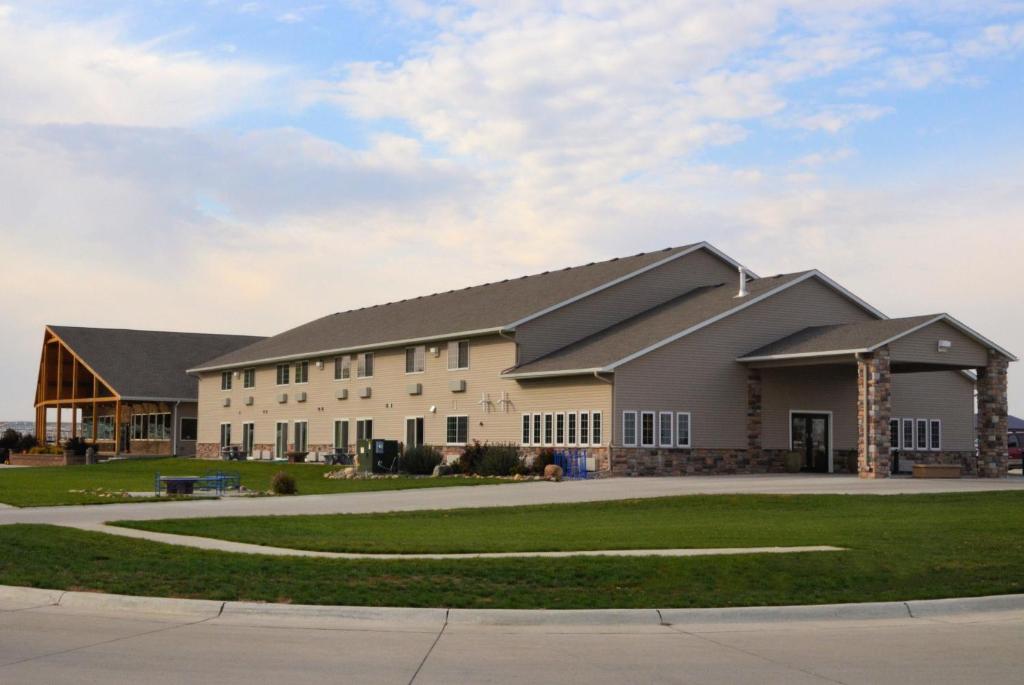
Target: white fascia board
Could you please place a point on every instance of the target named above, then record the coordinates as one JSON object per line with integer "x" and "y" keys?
{"x": 621, "y": 279}
{"x": 707, "y": 322}
{"x": 552, "y": 374}
{"x": 155, "y": 399}
{"x": 345, "y": 350}
{"x": 800, "y": 355}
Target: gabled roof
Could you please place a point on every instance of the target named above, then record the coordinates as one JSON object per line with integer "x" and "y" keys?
{"x": 147, "y": 365}
{"x": 634, "y": 337}
{"x": 855, "y": 338}
{"x": 477, "y": 310}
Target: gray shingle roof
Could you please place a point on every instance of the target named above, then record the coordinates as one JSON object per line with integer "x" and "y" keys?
{"x": 864, "y": 335}
{"x": 479, "y": 308}
{"x": 648, "y": 328}
{"x": 148, "y": 364}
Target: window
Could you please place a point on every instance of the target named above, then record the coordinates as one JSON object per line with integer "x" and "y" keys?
{"x": 908, "y": 434}
{"x": 665, "y": 429}
{"x": 189, "y": 429}
{"x": 922, "y": 434}
{"x": 595, "y": 428}
{"x": 548, "y": 429}
{"x": 894, "y": 434}
{"x": 647, "y": 429}
{"x": 341, "y": 435}
{"x": 559, "y": 429}
{"x": 225, "y": 435}
{"x": 151, "y": 427}
{"x": 225, "y": 380}
{"x": 536, "y": 429}
{"x": 413, "y": 431}
{"x": 283, "y": 371}
{"x": 281, "y": 439}
{"x": 248, "y": 438}
{"x": 249, "y": 378}
{"x": 301, "y": 443}
{"x": 364, "y": 429}
{"x": 458, "y": 430}
{"x": 364, "y": 367}
{"x": 526, "y": 429}
{"x": 935, "y": 435}
{"x": 342, "y": 367}
{"x": 105, "y": 428}
{"x": 629, "y": 428}
{"x": 138, "y": 427}
{"x": 584, "y": 428}
{"x": 572, "y": 428}
{"x": 302, "y": 373}
{"x": 414, "y": 357}
{"x": 683, "y": 429}
{"x": 458, "y": 354}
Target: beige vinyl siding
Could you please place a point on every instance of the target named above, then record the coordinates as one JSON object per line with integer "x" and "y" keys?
{"x": 922, "y": 346}
{"x": 619, "y": 302}
{"x": 390, "y": 402}
{"x": 944, "y": 395}
{"x": 814, "y": 389}
{"x": 699, "y": 373}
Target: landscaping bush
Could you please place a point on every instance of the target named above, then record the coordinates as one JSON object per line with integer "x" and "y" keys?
{"x": 541, "y": 459}
{"x": 793, "y": 462}
{"x": 420, "y": 461}
{"x": 25, "y": 443}
{"x": 283, "y": 483}
{"x": 78, "y": 446}
{"x": 500, "y": 460}
{"x": 9, "y": 439}
{"x": 470, "y": 459}
{"x": 46, "y": 449}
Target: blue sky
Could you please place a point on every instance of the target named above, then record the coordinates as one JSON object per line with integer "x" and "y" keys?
{"x": 214, "y": 165}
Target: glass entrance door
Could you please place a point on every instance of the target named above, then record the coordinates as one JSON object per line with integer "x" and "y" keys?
{"x": 281, "y": 440}
{"x": 413, "y": 432}
{"x": 811, "y": 439}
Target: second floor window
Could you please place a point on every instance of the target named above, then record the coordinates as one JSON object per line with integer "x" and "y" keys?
{"x": 283, "y": 371}
{"x": 365, "y": 366}
{"x": 458, "y": 354}
{"x": 225, "y": 380}
{"x": 342, "y": 367}
{"x": 414, "y": 358}
{"x": 302, "y": 372}
{"x": 249, "y": 378}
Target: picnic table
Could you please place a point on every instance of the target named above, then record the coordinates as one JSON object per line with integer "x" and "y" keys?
{"x": 218, "y": 481}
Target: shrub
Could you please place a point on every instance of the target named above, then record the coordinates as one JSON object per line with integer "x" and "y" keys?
{"x": 541, "y": 459}
{"x": 9, "y": 439}
{"x": 500, "y": 460}
{"x": 283, "y": 483}
{"x": 420, "y": 460}
{"x": 45, "y": 449}
{"x": 793, "y": 462}
{"x": 469, "y": 460}
{"x": 26, "y": 443}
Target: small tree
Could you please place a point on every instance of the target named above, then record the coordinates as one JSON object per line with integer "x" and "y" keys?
{"x": 9, "y": 439}
{"x": 25, "y": 443}
{"x": 421, "y": 460}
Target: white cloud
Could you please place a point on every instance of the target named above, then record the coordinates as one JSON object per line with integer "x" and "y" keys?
{"x": 834, "y": 118}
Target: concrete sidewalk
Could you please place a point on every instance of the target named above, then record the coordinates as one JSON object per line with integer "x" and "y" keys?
{"x": 500, "y": 496}
{"x": 70, "y": 637}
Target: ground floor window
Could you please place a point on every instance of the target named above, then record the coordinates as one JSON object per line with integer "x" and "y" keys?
{"x": 248, "y": 438}
{"x": 341, "y": 434}
{"x": 549, "y": 428}
{"x": 364, "y": 429}
{"x": 458, "y": 430}
{"x": 301, "y": 439}
{"x": 595, "y": 428}
{"x": 683, "y": 429}
{"x": 908, "y": 434}
{"x": 281, "y": 439}
{"x": 151, "y": 426}
{"x": 225, "y": 435}
{"x": 189, "y": 429}
{"x": 629, "y": 428}
{"x": 935, "y": 435}
{"x": 920, "y": 435}
{"x": 560, "y": 429}
{"x": 665, "y": 429}
{"x": 647, "y": 429}
{"x": 536, "y": 429}
{"x": 572, "y": 428}
{"x": 413, "y": 431}
{"x": 894, "y": 434}
{"x": 526, "y": 429}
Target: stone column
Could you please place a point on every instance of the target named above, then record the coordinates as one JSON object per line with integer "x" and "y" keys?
{"x": 874, "y": 391}
{"x": 754, "y": 415}
{"x": 992, "y": 417}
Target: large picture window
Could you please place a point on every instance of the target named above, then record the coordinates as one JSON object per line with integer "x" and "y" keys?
{"x": 647, "y": 429}
{"x": 458, "y": 430}
{"x": 151, "y": 426}
{"x": 629, "y": 428}
{"x": 458, "y": 354}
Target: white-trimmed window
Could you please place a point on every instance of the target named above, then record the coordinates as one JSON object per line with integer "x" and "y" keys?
{"x": 629, "y": 428}
{"x": 922, "y": 434}
{"x": 189, "y": 429}
{"x": 458, "y": 354}
{"x": 342, "y": 367}
{"x": 414, "y": 357}
{"x": 526, "y": 429}
{"x": 225, "y": 435}
{"x": 283, "y": 374}
{"x": 249, "y": 378}
{"x": 549, "y": 429}
{"x": 225, "y": 380}
{"x": 457, "y": 430}
{"x": 281, "y": 439}
{"x": 596, "y": 428}
{"x": 665, "y": 429}
{"x": 301, "y": 436}
{"x": 647, "y": 429}
{"x": 572, "y": 428}
{"x": 248, "y": 437}
{"x": 935, "y": 435}
{"x": 908, "y": 434}
{"x": 894, "y": 434}
{"x": 364, "y": 429}
{"x": 302, "y": 373}
{"x": 560, "y": 428}
{"x": 364, "y": 367}
{"x": 683, "y": 438}
{"x": 536, "y": 429}
{"x": 584, "y": 428}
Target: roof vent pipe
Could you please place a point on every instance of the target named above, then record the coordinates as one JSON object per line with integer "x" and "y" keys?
{"x": 743, "y": 283}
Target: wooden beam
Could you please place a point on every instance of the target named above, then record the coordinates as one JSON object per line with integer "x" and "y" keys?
{"x": 117, "y": 428}
{"x": 95, "y": 389}
{"x": 74, "y": 394}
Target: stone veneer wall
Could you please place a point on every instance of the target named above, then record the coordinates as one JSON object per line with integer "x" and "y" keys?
{"x": 968, "y": 461}
{"x": 648, "y": 461}
{"x": 992, "y": 417}
{"x": 874, "y": 407}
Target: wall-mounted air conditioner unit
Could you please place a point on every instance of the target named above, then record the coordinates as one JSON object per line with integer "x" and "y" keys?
{"x": 365, "y": 392}
{"x": 342, "y": 394}
{"x": 249, "y": 401}
{"x": 415, "y": 388}
{"x": 300, "y": 397}
{"x": 457, "y": 386}
{"x": 282, "y": 397}
{"x": 227, "y": 401}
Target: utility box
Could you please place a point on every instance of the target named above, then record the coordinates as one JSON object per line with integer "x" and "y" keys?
{"x": 377, "y": 456}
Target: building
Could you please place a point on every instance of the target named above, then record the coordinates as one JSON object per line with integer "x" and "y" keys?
{"x": 127, "y": 391}
{"x": 657, "y": 363}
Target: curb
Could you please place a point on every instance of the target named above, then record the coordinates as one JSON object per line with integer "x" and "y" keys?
{"x": 26, "y": 598}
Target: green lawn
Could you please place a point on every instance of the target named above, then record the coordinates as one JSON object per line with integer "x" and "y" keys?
{"x": 899, "y": 547}
{"x": 33, "y": 487}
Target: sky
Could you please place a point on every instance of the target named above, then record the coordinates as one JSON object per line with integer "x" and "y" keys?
{"x": 244, "y": 167}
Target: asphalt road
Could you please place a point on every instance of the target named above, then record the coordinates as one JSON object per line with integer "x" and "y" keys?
{"x": 85, "y": 644}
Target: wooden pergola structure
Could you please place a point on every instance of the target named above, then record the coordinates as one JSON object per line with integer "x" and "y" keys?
{"x": 66, "y": 381}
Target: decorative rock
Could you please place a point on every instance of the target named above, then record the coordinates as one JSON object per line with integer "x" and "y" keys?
{"x": 553, "y": 472}
{"x": 442, "y": 470}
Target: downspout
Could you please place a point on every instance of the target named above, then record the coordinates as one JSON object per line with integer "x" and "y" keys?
{"x": 501, "y": 332}
{"x": 597, "y": 375}
{"x": 174, "y": 429}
